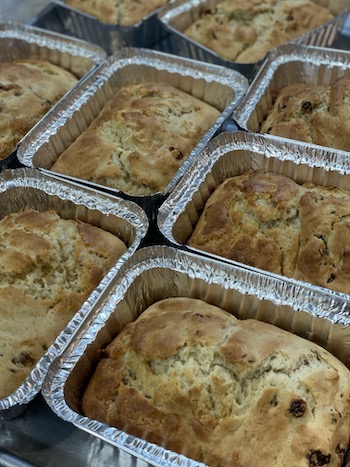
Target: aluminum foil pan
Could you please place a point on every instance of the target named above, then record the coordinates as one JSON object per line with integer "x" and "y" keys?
{"x": 19, "y": 41}
{"x": 154, "y": 273}
{"x": 178, "y": 15}
{"x": 220, "y": 87}
{"x": 109, "y": 36}
{"x": 289, "y": 64}
{"x": 231, "y": 154}
{"x": 29, "y": 188}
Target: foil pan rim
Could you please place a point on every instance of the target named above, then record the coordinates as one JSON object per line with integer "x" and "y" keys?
{"x": 181, "y": 261}
{"x": 52, "y": 40}
{"x": 109, "y": 204}
{"x": 171, "y": 11}
{"x": 286, "y": 149}
{"x": 284, "y": 54}
{"x": 130, "y": 56}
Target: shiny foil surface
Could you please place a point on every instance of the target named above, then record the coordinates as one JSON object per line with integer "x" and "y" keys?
{"x": 178, "y": 15}
{"x": 25, "y": 187}
{"x": 220, "y": 87}
{"x": 158, "y": 272}
{"x": 231, "y": 154}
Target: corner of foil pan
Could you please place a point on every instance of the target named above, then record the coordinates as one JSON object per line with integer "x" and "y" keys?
{"x": 212, "y": 272}
{"x": 17, "y": 402}
{"x": 52, "y": 40}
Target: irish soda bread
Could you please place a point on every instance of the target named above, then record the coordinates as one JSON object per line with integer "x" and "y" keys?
{"x": 139, "y": 140}
{"x": 121, "y": 12}
{"x": 244, "y": 31}
{"x": 28, "y": 89}
{"x": 313, "y": 113}
{"x": 268, "y": 221}
{"x": 49, "y": 266}
{"x": 237, "y": 393}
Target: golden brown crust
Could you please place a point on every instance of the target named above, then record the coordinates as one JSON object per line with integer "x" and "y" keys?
{"x": 28, "y": 89}
{"x": 191, "y": 377}
{"x": 245, "y": 31}
{"x": 268, "y": 221}
{"x": 121, "y": 12}
{"x": 312, "y": 113}
{"x": 49, "y": 266}
{"x": 139, "y": 140}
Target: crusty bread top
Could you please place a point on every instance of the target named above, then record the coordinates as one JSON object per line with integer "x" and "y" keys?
{"x": 121, "y": 12}
{"x": 28, "y": 89}
{"x": 268, "y": 221}
{"x": 313, "y": 113}
{"x": 49, "y": 266}
{"x": 139, "y": 140}
{"x": 244, "y": 31}
{"x": 191, "y": 377}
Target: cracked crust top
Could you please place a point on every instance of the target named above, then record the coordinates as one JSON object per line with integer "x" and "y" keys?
{"x": 227, "y": 392}
{"x": 270, "y": 222}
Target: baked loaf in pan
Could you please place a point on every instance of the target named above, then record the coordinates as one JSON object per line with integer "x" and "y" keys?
{"x": 270, "y": 222}
{"x": 191, "y": 377}
{"x": 120, "y": 12}
{"x": 49, "y": 267}
{"x": 245, "y": 31}
{"x": 139, "y": 140}
{"x": 28, "y": 89}
{"x": 312, "y": 113}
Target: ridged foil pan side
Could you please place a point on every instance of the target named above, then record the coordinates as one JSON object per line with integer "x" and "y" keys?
{"x": 25, "y": 187}
{"x": 110, "y": 37}
{"x": 154, "y": 273}
{"x": 181, "y": 13}
{"x": 215, "y": 85}
{"x": 289, "y": 64}
{"x": 231, "y": 154}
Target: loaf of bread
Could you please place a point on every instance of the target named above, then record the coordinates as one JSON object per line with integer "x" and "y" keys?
{"x": 28, "y": 89}
{"x": 191, "y": 377}
{"x": 268, "y": 221}
{"x": 245, "y": 31}
{"x": 49, "y": 267}
{"x": 120, "y": 12}
{"x": 312, "y": 113}
{"x": 139, "y": 140}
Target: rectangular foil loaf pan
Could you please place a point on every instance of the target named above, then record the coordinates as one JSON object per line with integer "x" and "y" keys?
{"x": 220, "y": 87}
{"x": 110, "y": 37}
{"x": 159, "y": 272}
{"x": 179, "y": 14}
{"x": 24, "y": 187}
{"x": 19, "y": 41}
{"x": 232, "y": 154}
{"x": 292, "y": 63}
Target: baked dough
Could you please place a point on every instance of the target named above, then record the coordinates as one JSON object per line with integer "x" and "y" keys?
{"x": 28, "y": 90}
{"x": 191, "y": 377}
{"x": 49, "y": 267}
{"x": 244, "y": 31}
{"x": 268, "y": 221}
{"x": 139, "y": 140}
